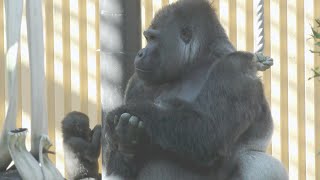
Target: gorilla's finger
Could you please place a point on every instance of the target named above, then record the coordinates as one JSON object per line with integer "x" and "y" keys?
{"x": 125, "y": 116}
{"x": 132, "y": 129}
{"x": 133, "y": 121}
{"x": 123, "y": 121}
{"x": 141, "y": 125}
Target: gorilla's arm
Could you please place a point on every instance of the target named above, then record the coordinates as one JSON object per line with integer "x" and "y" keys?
{"x": 95, "y": 142}
{"x": 180, "y": 129}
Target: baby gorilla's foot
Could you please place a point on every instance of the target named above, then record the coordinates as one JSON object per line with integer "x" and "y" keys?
{"x": 263, "y": 62}
{"x": 129, "y": 131}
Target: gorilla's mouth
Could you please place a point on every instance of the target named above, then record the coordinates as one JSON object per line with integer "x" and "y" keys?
{"x": 143, "y": 70}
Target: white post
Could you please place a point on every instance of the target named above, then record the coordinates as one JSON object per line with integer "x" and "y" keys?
{"x": 13, "y": 10}
{"x": 39, "y": 117}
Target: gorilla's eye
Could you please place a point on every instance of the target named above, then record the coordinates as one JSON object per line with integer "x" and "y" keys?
{"x": 186, "y": 34}
{"x": 150, "y": 38}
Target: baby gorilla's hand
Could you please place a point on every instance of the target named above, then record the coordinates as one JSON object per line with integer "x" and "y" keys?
{"x": 129, "y": 131}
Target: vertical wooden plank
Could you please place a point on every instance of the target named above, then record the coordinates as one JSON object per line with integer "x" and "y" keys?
{"x": 249, "y": 26}
{"x": 2, "y": 67}
{"x": 317, "y": 98}
{"x": 233, "y": 21}
{"x": 59, "y": 107}
{"x": 157, "y": 4}
{"x": 224, "y": 17}
{"x": 149, "y": 12}
{"x": 284, "y": 83}
{"x": 66, "y": 55}
{"x": 275, "y": 77}
{"x": 147, "y": 15}
{"x": 301, "y": 90}
{"x": 309, "y": 93}
{"x": 241, "y": 27}
{"x": 292, "y": 88}
{"x": 83, "y": 56}
{"x": 49, "y": 47}
{"x": 91, "y": 62}
{"x": 98, "y": 87}
{"x": 74, "y": 37}
{"x": 165, "y": 2}
{"x": 267, "y": 51}
{"x": 98, "y": 81}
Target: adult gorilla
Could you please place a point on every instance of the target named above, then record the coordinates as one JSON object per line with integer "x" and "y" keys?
{"x": 195, "y": 108}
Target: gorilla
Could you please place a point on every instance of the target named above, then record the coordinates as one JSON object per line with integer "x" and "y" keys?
{"x": 81, "y": 146}
{"x": 194, "y": 108}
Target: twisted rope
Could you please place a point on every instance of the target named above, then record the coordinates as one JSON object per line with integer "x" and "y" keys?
{"x": 260, "y": 25}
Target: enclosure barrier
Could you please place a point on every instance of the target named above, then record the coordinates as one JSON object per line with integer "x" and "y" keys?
{"x": 72, "y": 64}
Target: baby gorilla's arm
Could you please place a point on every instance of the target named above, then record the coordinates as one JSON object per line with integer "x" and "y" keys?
{"x": 94, "y": 150}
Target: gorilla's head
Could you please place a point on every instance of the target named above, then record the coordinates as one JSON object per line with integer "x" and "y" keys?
{"x": 76, "y": 124}
{"x": 179, "y": 37}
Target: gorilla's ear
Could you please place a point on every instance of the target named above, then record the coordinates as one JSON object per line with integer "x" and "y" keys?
{"x": 186, "y": 34}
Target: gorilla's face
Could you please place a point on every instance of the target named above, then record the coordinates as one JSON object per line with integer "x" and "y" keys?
{"x": 169, "y": 49}
{"x": 179, "y": 36}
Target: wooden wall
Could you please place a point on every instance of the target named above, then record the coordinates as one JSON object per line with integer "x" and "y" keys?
{"x": 72, "y": 69}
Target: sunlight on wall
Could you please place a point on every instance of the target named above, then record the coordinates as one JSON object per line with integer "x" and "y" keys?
{"x": 157, "y": 4}
{"x": 275, "y": 73}
{"x": 58, "y": 79}
{"x": 224, "y": 18}
{"x": 75, "y": 60}
{"x": 292, "y": 71}
{"x": 241, "y": 28}
{"x": 91, "y": 64}
{"x": 310, "y": 134}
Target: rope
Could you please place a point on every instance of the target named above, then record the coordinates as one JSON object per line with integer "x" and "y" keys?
{"x": 260, "y": 25}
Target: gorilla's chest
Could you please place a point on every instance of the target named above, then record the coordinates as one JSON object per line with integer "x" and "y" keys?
{"x": 187, "y": 90}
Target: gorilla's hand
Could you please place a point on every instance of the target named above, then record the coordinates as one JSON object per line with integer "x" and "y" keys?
{"x": 96, "y": 128}
{"x": 128, "y": 132}
{"x": 96, "y": 131}
{"x": 263, "y": 62}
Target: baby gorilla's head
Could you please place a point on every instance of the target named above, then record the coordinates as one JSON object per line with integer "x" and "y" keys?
{"x": 76, "y": 124}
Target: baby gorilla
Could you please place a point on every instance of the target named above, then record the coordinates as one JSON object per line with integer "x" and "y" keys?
{"x": 81, "y": 146}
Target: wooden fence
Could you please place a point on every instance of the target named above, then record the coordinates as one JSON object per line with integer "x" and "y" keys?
{"x": 73, "y": 71}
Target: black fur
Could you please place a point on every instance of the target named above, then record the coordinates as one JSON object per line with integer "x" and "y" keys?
{"x": 81, "y": 146}
{"x": 200, "y": 102}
